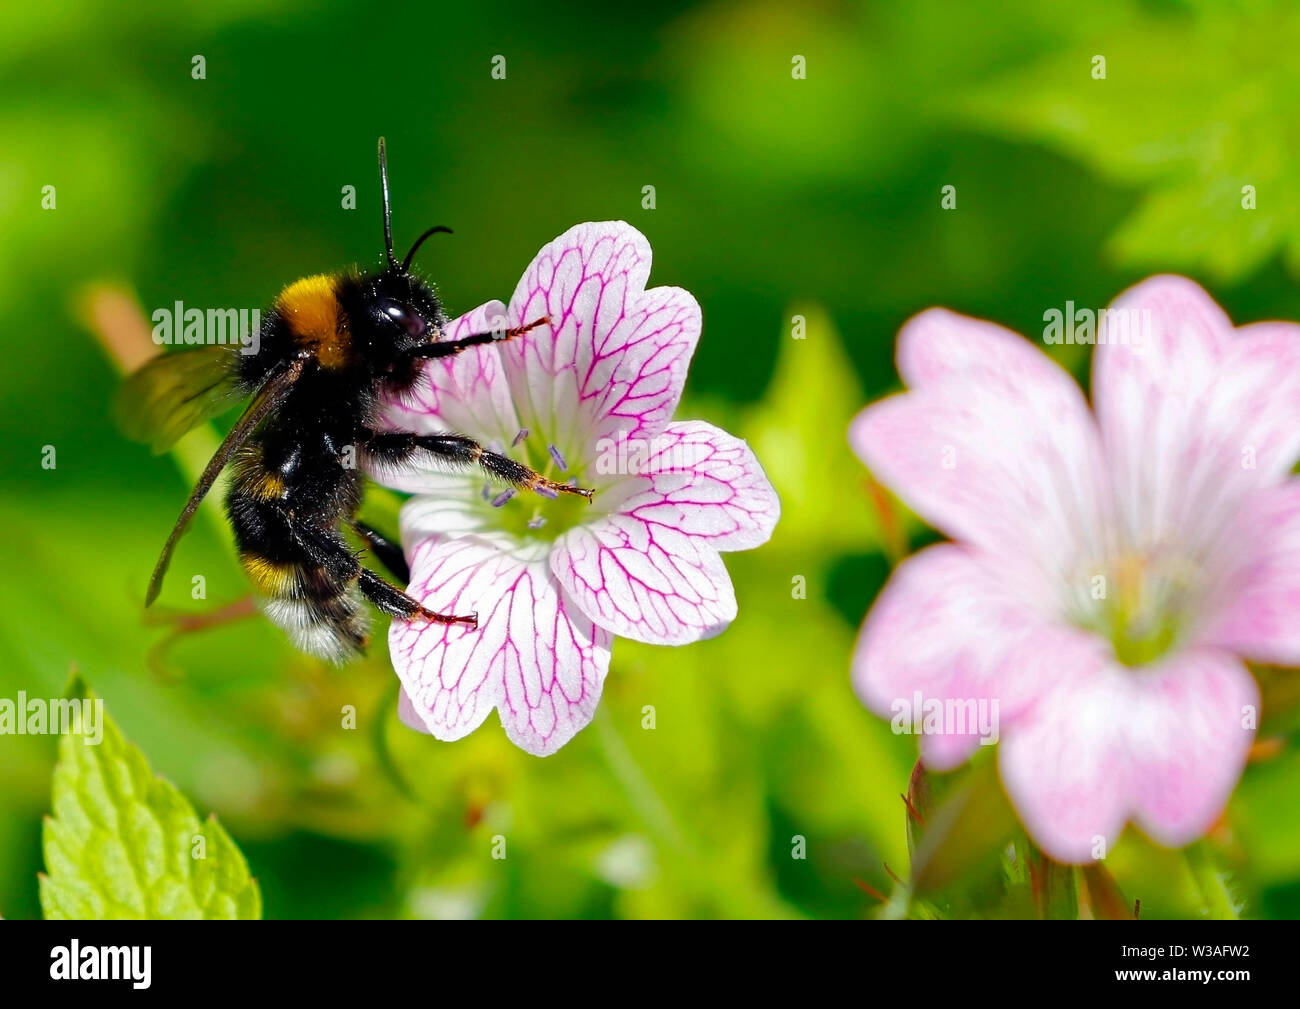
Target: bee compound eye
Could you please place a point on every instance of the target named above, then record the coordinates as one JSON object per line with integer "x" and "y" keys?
{"x": 404, "y": 315}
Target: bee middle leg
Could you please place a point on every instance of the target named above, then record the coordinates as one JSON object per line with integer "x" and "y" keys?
{"x": 388, "y": 553}
{"x": 332, "y": 553}
{"x": 396, "y": 447}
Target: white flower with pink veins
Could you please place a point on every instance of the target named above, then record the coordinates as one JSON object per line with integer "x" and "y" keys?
{"x": 588, "y": 400}
{"x": 1111, "y": 569}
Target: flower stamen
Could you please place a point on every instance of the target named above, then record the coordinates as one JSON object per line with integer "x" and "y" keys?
{"x": 1140, "y": 603}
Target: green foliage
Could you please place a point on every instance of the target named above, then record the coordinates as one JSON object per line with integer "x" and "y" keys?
{"x": 1104, "y": 896}
{"x": 124, "y": 843}
{"x": 973, "y": 825}
{"x": 1198, "y": 101}
{"x": 800, "y": 431}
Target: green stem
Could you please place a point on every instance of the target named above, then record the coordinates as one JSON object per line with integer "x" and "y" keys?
{"x": 658, "y": 819}
{"x": 384, "y": 752}
{"x": 645, "y": 800}
{"x": 1211, "y": 883}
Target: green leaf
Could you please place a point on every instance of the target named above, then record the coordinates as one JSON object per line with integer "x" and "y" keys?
{"x": 1220, "y": 897}
{"x": 1055, "y": 895}
{"x": 124, "y": 843}
{"x": 800, "y": 431}
{"x": 1197, "y": 104}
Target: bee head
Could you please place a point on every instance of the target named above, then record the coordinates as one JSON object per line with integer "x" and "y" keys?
{"x": 399, "y": 310}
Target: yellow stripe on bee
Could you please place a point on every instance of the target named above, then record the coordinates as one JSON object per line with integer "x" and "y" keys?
{"x": 311, "y": 308}
{"x": 269, "y": 578}
{"x": 265, "y": 486}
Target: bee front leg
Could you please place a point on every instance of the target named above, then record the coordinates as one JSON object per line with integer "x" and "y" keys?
{"x": 448, "y": 348}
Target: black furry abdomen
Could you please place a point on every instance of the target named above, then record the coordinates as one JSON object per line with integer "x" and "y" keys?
{"x": 295, "y": 483}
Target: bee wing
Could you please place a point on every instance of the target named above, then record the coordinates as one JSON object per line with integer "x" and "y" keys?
{"x": 172, "y": 393}
{"x": 268, "y": 398}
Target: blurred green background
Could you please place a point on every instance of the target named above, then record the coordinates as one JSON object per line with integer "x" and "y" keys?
{"x": 775, "y": 196}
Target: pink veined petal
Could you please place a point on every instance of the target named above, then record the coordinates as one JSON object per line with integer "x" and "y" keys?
{"x": 1163, "y": 745}
{"x": 468, "y": 393}
{"x": 996, "y": 447}
{"x": 449, "y": 693}
{"x": 698, "y": 479}
{"x": 645, "y": 581}
{"x": 407, "y": 714}
{"x": 1195, "y": 416}
{"x": 534, "y": 657}
{"x": 945, "y": 626}
{"x": 1253, "y": 609}
{"x": 613, "y": 361}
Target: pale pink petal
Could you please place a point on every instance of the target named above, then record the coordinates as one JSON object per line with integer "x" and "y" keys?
{"x": 1195, "y": 417}
{"x": 645, "y": 581}
{"x": 1264, "y": 388}
{"x": 697, "y": 479}
{"x": 944, "y": 627}
{"x": 534, "y": 656}
{"x": 468, "y": 393}
{"x": 1252, "y": 607}
{"x": 614, "y": 358}
{"x": 996, "y": 448}
{"x": 1163, "y": 745}
{"x": 1065, "y": 765}
{"x": 1189, "y": 735}
{"x": 938, "y": 345}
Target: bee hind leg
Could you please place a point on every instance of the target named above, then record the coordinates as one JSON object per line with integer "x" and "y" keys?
{"x": 330, "y": 552}
{"x": 393, "y": 601}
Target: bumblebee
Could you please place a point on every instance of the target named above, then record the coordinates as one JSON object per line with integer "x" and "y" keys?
{"x": 330, "y": 349}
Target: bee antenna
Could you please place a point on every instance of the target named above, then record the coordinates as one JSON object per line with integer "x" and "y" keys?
{"x": 406, "y": 263}
{"x": 388, "y": 212}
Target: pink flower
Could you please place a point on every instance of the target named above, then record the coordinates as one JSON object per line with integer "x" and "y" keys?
{"x": 1108, "y": 574}
{"x": 589, "y": 398}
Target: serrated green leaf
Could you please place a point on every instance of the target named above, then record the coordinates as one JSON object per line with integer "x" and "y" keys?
{"x": 124, "y": 843}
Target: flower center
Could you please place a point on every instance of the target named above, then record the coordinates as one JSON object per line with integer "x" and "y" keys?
{"x": 533, "y": 516}
{"x": 1139, "y": 601}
